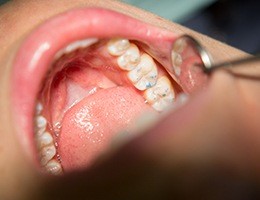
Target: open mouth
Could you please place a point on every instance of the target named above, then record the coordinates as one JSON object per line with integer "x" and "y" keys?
{"x": 85, "y": 75}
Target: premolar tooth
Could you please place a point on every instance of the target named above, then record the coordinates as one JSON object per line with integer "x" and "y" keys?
{"x": 161, "y": 95}
{"x": 44, "y": 139}
{"x": 53, "y": 167}
{"x": 47, "y": 153}
{"x": 118, "y": 46}
{"x": 130, "y": 58}
{"x": 145, "y": 74}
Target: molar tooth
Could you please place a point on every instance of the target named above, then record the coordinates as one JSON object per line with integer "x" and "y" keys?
{"x": 53, "y": 167}
{"x": 161, "y": 95}
{"x": 129, "y": 60}
{"x": 118, "y": 46}
{"x": 145, "y": 74}
{"x": 47, "y": 153}
{"x": 44, "y": 139}
{"x": 147, "y": 81}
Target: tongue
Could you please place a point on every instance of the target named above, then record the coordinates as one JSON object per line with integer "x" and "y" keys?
{"x": 89, "y": 126}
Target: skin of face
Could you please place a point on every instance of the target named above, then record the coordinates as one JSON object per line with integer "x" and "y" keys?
{"x": 221, "y": 141}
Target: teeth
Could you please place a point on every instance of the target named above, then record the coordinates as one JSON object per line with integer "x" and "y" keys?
{"x": 47, "y": 153}
{"x": 53, "y": 167}
{"x": 39, "y": 108}
{"x": 118, "y": 46}
{"x": 45, "y": 144}
{"x": 44, "y": 139}
{"x": 161, "y": 95}
{"x": 179, "y": 45}
{"x": 177, "y": 61}
{"x": 145, "y": 74}
{"x": 178, "y": 48}
{"x": 130, "y": 58}
{"x": 40, "y": 123}
{"x": 76, "y": 45}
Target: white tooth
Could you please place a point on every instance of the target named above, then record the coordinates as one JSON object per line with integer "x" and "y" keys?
{"x": 53, "y": 167}
{"x": 76, "y": 45}
{"x": 41, "y": 122}
{"x": 118, "y": 46}
{"x": 145, "y": 74}
{"x": 179, "y": 45}
{"x": 163, "y": 103}
{"x": 177, "y": 62}
{"x": 177, "y": 50}
{"x": 130, "y": 58}
{"x": 47, "y": 153}
{"x": 161, "y": 95}
{"x": 147, "y": 81}
{"x": 39, "y": 108}
{"x": 44, "y": 139}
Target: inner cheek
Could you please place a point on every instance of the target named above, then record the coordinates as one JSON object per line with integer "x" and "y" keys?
{"x": 84, "y": 102}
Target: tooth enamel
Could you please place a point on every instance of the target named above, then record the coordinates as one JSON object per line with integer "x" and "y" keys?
{"x": 130, "y": 58}
{"x": 39, "y": 108}
{"x": 53, "y": 167}
{"x": 76, "y": 45}
{"x": 118, "y": 46}
{"x": 176, "y": 61}
{"x": 41, "y": 122}
{"x": 161, "y": 95}
{"x": 147, "y": 81}
{"x": 44, "y": 139}
{"x": 178, "y": 48}
{"x": 47, "y": 153}
{"x": 145, "y": 74}
{"x": 179, "y": 45}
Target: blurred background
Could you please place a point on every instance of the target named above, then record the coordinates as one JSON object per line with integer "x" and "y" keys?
{"x": 235, "y": 22}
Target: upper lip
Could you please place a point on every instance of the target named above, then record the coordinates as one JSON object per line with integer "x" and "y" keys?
{"x": 36, "y": 53}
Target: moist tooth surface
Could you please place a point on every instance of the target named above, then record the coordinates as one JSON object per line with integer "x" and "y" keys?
{"x": 130, "y": 59}
{"x": 118, "y": 46}
{"x": 161, "y": 95}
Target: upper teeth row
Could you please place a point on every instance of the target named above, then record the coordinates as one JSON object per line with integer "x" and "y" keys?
{"x": 142, "y": 72}
{"x": 45, "y": 143}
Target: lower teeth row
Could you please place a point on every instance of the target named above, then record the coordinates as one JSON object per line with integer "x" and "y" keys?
{"x": 141, "y": 71}
{"x": 45, "y": 144}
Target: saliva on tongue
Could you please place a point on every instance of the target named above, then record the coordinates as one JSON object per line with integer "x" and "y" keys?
{"x": 88, "y": 127}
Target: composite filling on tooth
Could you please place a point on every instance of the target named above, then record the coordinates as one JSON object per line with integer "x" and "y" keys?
{"x": 116, "y": 65}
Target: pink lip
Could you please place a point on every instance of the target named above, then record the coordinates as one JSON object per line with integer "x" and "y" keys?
{"x": 35, "y": 55}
